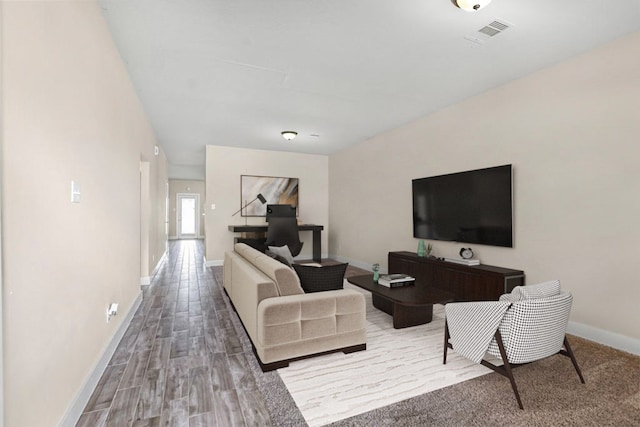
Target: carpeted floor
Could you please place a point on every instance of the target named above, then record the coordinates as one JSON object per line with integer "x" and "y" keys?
{"x": 550, "y": 389}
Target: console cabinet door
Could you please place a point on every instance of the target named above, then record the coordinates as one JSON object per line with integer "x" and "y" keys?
{"x": 422, "y": 271}
{"x": 398, "y": 264}
{"x": 466, "y": 286}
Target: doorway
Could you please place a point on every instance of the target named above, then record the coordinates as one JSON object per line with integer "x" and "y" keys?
{"x": 188, "y": 220}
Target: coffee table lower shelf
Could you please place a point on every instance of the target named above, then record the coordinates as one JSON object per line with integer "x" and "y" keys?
{"x": 404, "y": 316}
{"x": 408, "y": 305}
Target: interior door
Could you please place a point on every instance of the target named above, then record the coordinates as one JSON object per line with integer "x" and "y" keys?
{"x": 188, "y": 206}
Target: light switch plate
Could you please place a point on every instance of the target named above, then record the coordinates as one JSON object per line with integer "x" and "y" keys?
{"x": 75, "y": 192}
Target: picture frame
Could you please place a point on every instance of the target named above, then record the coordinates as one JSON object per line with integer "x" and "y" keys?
{"x": 276, "y": 190}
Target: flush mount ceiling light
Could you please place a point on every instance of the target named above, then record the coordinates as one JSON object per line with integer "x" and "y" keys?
{"x": 470, "y": 5}
{"x": 288, "y": 134}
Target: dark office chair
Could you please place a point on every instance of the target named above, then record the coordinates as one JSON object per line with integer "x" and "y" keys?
{"x": 284, "y": 231}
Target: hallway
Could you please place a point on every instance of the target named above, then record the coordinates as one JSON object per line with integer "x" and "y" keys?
{"x": 180, "y": 362}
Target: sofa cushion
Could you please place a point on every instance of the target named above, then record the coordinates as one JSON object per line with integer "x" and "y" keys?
{"x": 311, "y": 316}
{"x": 324, "y": 278}
{"x": 278, "y": 257}
{"x": 282, "y": 251}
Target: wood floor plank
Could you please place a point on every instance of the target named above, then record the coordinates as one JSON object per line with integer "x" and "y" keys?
{"x": 253, "y": 409}
{"x": 195, "y": 308}
{"x": 106, "y": 389}
{"x": 214, "y": 341}
{"x": 165, "y": 327}
{"x": 134, "y": 374}
{"x": 224, "y": 319}
{"x": 179, "y": 413}
{"x": 149, "y": 422}
{"x": 194, "y": 294}
{"x": 152, "y": 394}
{"x": 221, "y": 377}
{"x": 179, "y": 344}
{"x": 127, "y": 343}
{"x": 181, "y": 322}
{"x": 200, "y": 390}
{"x": 232, "y": 343}
{"x": 146, "y": 337}
{"x": 203, "y": 420}
{"x": 252, "y": 403}
{"x": 228, "y": 411}
{"x": 157, "y": 302}
{"x": 177, "y": 385}
{"x": 182, "y": 305}
{"x": 198, "y": 349}
{"x": 196, "y": 326}
{"x": 160, "y": 353}
{"x": 93, "y": 419}
{"x": 153, "y": 317}
{"x": 250, "y": 399}
{"x": 123, "y": 408}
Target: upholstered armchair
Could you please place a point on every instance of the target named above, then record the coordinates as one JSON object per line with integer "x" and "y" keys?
{"x": 526, "y": 325}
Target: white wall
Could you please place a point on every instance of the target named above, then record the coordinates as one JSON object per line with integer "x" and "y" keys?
{"x": 69, "y": 113}
{"x": 572, "y": 133}
{"x": 225, "y": 165}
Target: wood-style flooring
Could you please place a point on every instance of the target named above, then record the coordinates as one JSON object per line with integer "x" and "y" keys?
{"x": 180, "y": 362}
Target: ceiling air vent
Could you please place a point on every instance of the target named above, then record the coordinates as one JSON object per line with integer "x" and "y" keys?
{"x": 496, "y": 27}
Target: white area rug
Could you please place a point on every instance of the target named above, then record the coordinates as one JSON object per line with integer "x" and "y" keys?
{"x": 398, "y": 364}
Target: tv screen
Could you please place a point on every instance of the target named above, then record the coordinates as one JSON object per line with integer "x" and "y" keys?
{"x": 470, "y": 207}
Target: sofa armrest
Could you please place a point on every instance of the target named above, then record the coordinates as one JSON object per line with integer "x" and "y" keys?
{"x": 308, "y": 316}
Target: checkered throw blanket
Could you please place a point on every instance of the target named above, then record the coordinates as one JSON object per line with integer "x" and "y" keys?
{"x": 531, "y": 328}
{"x": 472, "y": 326}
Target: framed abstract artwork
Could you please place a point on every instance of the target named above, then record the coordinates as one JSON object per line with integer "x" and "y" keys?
{"x": 276, "y": 190}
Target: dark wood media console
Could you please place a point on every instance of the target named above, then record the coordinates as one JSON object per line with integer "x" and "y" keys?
{"x": 467, "y": 283}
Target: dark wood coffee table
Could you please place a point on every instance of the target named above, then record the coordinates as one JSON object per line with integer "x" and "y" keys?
{"x": 409, "y": 305}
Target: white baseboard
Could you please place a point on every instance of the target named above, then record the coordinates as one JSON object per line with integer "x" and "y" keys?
{"x": 146, "y": 280}
{"x": 74, "y": 411}
{"x": 611, "y": 339}
{"x": 213, "y": 262}
{"x": 187, "y": 238}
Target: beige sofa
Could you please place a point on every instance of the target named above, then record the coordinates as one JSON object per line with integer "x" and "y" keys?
{"x": 282, "y": 321}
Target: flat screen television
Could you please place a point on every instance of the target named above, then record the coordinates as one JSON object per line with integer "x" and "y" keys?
{"x": 470, "y": 207}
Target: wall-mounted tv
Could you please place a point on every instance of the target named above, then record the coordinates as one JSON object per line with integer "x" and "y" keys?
{"x": 471, "y": 207}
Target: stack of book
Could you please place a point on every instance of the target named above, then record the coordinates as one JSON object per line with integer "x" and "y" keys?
{"x": 463, "y": 261}
{"x": 395, "y": 280}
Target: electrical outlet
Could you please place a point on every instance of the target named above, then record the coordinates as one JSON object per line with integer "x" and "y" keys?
{"x": 112, "y": 310}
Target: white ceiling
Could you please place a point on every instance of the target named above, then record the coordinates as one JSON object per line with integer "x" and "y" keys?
{"x": 238, "y": 72}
